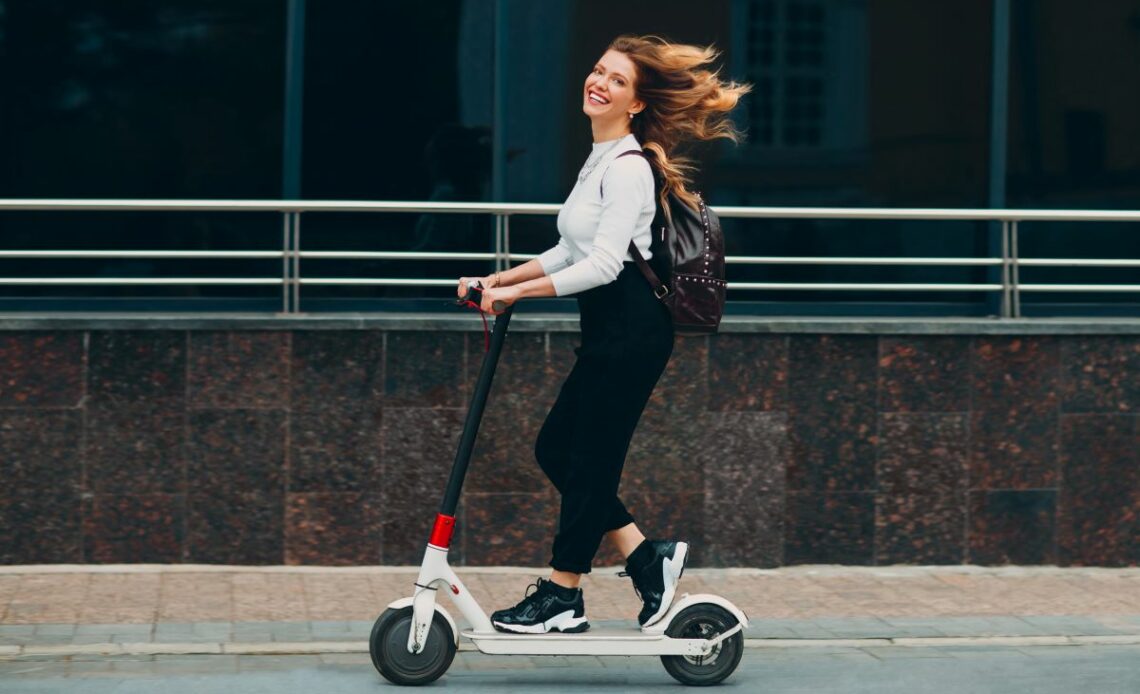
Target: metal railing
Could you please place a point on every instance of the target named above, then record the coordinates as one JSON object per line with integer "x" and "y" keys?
{"x": 291, "y": 252}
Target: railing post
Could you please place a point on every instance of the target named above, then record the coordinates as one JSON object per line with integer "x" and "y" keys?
{"x": 1015, "y": 281}
{"x": 1006, "y": 291}
{"x": 296, "y": 253}
{"x": 499, "y": 242}
{"x": 506, "y": 242}
{"x": 285, "y": 262}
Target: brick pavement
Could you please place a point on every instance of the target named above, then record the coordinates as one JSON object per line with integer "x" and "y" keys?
{"x": 132, "y": 594}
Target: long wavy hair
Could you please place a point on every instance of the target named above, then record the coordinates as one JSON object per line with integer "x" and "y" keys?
{"x": 683, "y": 102}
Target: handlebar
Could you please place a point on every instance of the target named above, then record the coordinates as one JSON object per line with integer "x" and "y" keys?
{"x": 472, "y": 295}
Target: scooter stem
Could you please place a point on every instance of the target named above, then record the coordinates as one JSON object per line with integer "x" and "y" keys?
{"x": 475, "y": 414}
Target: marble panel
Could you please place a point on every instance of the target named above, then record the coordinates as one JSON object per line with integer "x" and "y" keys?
{"x": 1013, "y": 422}
{"x": 1098, "y": 506}
{"x": 426, "y": 369}
{"x": 41, "y": 369}
{"x": 135, "y": 528}
{"x": 236, "y": 528}
{"x": 41, "y": 468}
{"x": 829, "y": 528}
{"x": 683, "y": 388}
{"x": 418, "y": 451}
{"x": 1100, "y": 373}
{"x": 524, "y": 390}
{"x": 744, "y": 506}
{"x": 922, "y": 453}
{"x": 744, "y": 529}
{"x": 924, "y": 374}
{"x": 921, "y": 527}
{"x": 239, "y": 370}
{"x": 236, "y": 452}
{"x": 832, "y": 416}
{"x": 336, "y": 367}
{"x": 40, "y": 528}
{"x": 748, "y": 372}
{"x": 511, "y": 529}
{"x": 332, "y": 528}
{"x": 137, "y": 368}
{"x": 136, "y": 450}
{"x": 1012, "y": 527}
{"x": 337, "y": 448}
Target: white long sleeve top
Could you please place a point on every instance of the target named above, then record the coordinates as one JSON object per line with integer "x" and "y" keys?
{"x": 595, "y": 229}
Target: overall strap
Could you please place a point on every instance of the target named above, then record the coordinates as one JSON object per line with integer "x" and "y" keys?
{"x": 659, "y": 288}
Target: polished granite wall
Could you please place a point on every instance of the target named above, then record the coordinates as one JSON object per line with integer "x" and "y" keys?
{"x": 332, "y": 447}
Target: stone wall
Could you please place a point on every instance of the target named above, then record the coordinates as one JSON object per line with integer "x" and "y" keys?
{"x": 318, "y": 444}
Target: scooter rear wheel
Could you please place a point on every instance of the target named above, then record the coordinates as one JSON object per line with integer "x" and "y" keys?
{"x": 704, "y": 621}
{"x": 388, "y": 646}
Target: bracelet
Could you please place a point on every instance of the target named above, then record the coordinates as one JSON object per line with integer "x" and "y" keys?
{"x": 498, "y": 282}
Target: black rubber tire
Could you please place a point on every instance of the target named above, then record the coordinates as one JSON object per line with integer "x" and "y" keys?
{"x": 388, "y": 647}
{"x": 704, "y": 620}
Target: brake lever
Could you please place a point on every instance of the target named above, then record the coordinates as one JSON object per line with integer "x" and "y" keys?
{"x": 472, "y": 297}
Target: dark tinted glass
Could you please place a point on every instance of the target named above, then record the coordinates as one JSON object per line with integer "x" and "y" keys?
{"x": 398, "y": 100}
{"x": 1074, "y": 142}
{"x": 139, "y": 99}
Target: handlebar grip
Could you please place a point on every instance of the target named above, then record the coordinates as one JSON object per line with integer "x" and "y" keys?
{"x": 498, "y": 305}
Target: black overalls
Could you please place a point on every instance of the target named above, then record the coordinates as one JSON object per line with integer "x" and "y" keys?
{"x": 627, "y": 338}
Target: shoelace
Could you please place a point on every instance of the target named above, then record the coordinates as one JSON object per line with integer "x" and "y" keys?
{"x": 623, "y": 574}
{"x": 527, "y": 595}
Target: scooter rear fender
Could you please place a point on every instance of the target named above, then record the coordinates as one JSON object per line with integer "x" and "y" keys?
{"x": 688, "y": 600}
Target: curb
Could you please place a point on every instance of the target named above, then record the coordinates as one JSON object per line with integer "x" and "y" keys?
{"x": 323, "y": 647}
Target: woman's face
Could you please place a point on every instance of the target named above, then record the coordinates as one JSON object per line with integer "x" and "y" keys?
{"x": 609, "y": 89}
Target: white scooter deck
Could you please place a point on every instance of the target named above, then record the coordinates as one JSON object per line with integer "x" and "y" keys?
{"x": 610, "y": 640}
{"x": 607, "y": 641}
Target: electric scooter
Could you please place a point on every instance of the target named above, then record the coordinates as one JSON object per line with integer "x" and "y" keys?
{"x": 700, "y": 640}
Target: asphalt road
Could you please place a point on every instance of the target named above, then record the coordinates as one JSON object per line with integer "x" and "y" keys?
{"x": 1037, "y": 669}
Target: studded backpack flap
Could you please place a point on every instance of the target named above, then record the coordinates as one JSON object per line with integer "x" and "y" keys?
{"x": 688, "y": 252}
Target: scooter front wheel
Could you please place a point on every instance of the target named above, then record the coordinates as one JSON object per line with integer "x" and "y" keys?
{"x": 388, "y": 646}
{"x": 704, "y": 621}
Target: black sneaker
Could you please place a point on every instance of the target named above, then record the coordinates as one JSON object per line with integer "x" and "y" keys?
{"x": 550, "y": 607}
{"x": 656, "y": 582}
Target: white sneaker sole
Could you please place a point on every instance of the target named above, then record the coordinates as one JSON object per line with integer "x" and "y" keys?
{"x": 671, "y": 570}
{"x": 565, "y": 621}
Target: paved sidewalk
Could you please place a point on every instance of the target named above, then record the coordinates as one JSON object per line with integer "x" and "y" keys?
{"x": 209, "y": 609}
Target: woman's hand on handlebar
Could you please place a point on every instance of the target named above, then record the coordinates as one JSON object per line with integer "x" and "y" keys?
{"x": 484, "y": 282}
{"x": 497, "y": 299}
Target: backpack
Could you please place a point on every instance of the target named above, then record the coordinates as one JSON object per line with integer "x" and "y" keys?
{"x": 689, "y": 255}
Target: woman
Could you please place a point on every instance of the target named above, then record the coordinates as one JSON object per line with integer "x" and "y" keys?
{"x": 642, "y": 90}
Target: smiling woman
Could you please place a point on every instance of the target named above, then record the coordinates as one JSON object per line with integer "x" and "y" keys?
{"x": 642, "y": 90}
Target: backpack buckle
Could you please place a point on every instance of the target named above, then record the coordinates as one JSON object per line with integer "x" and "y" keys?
{"x": 663, "y": 291}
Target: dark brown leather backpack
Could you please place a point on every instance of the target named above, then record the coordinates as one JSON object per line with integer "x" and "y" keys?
{"x": 686, "y": 269}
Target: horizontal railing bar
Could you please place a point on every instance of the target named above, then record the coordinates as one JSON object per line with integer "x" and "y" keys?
{"x": 394, "y": 255}
{"x": 141, "y": 254}
{"x": 382, "y": 282}
{"x": 858, "y": 286}
{"x": 409, "y": 255}
{"x": 396, "y": 282}
{"x": 837, "y": 260}
{"x": 137, "y": 280}
{"x": 1079, "y": 287}
{"x": 942, "y": 214}
{"x": 1078, "y": 262}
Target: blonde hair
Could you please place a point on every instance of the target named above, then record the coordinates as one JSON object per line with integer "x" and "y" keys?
{"x": 682, "y": 102}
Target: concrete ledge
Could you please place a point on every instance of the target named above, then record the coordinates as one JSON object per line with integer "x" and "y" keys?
{"x": 564, "y": 322}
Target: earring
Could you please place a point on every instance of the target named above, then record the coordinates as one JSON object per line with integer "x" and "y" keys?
{"x": 631, "y": 115}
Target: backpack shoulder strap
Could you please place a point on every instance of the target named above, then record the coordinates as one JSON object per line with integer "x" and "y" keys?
{"x": 659, "y": 288}
{"x": 601, "y": 191}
